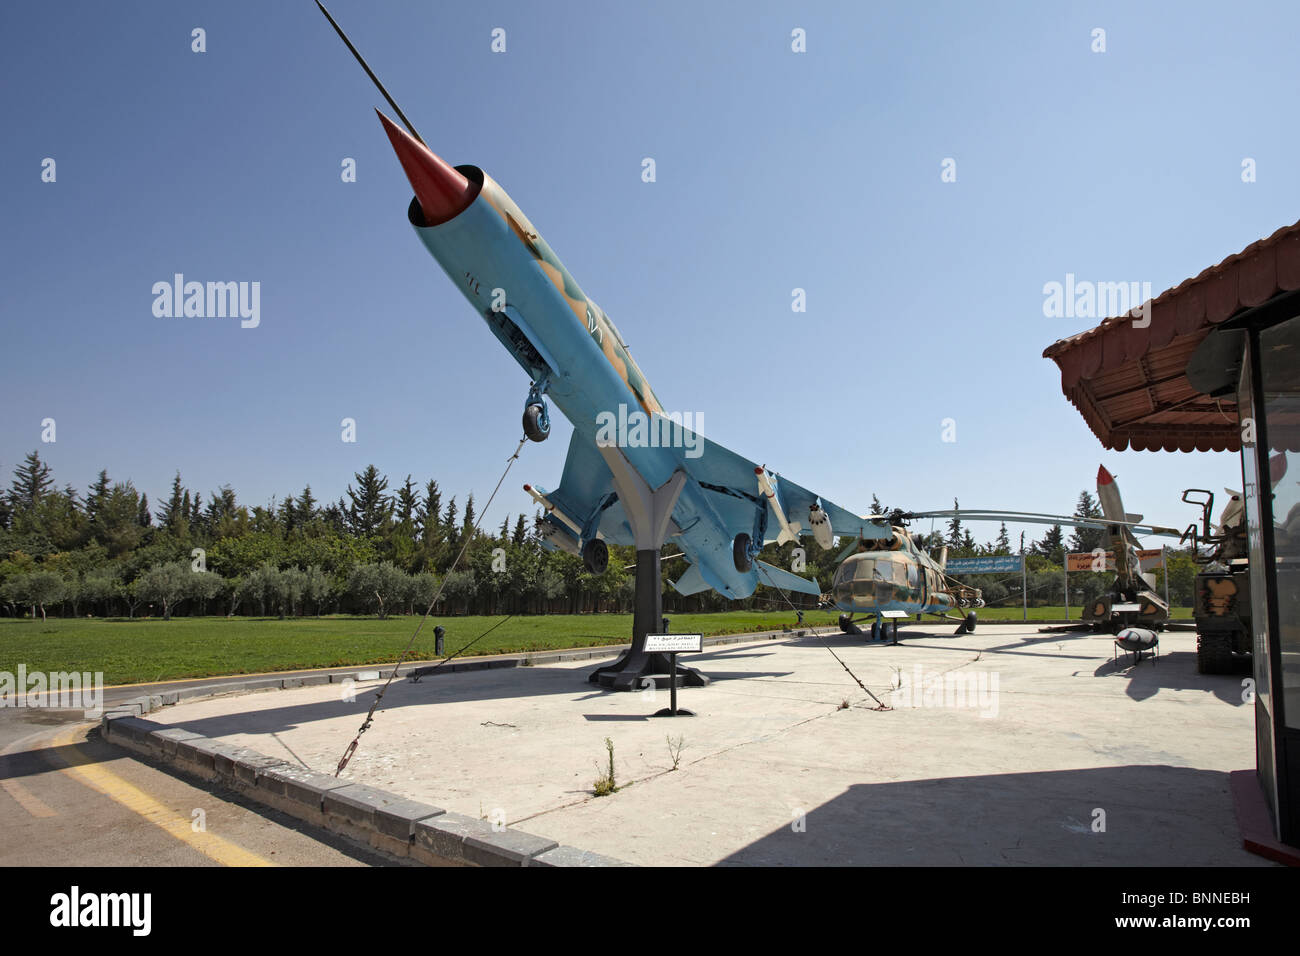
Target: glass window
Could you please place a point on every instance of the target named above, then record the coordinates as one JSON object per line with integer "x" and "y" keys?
{"x": 1279, "y": 352}
{"x": 898, "y": 573}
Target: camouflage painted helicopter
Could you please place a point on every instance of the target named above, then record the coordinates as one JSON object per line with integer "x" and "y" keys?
{"x": 893, "y": 578}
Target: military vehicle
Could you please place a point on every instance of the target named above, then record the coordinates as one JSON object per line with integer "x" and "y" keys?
{"x": 1221, "y": 601}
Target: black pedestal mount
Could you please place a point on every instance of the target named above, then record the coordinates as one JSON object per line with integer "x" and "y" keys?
{"x": 649, "y": 513}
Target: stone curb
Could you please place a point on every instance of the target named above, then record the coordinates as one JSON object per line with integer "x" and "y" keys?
{"x": 384, "y": 821}
{"x": 370, "y": 672}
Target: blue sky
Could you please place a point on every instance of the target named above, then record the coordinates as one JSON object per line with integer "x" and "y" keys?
{"x": 775, "y": 170}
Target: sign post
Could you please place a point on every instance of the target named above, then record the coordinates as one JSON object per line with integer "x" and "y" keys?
{"x": 672, "y": 645}
{"x": 1067, "y": 589}
{"x": 1164, "y": 565}
{"x": 1024, "y": 575}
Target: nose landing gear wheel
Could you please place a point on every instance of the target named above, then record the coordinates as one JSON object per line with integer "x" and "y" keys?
{"x": 537, "y": 424}
{"x": 595, "y": 556}
{"x": 970, "y": 622}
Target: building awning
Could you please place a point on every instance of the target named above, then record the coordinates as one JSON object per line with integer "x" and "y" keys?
{"x": 1130, "y": 383}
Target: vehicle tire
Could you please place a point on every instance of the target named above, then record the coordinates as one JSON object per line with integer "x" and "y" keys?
{"x": 1214, "y": 652}
{"x": 740, "y": 553}
{"x": 595, "y": 556}
{"x": 971, "y": 620}
{"x": 533, "y": 427}
{"x": 875, "y": 630}
{"x": 844, "y": 624}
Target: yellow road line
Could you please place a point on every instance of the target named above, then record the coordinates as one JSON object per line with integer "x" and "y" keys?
{"x": 24, "y": 797}
{"x": 27, "y": 800}
{"x": 136, "y": 800}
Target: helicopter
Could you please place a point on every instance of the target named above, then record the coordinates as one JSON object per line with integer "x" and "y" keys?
{"x": 894, "y": 578}
{"x": 891, "y": 578}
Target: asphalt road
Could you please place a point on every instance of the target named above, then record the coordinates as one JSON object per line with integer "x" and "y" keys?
{"x": 67, "y": 798}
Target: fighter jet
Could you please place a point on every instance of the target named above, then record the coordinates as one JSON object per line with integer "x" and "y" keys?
{"x": 1132, "y": 599}
{"x": 635, "y": 474}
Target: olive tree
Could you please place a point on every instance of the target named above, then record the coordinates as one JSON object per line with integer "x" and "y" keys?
{"x": 377, "y": 586}
{"x": 168, "y": 584}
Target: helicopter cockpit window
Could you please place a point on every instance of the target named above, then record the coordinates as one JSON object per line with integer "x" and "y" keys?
{"x": 874, "y": 580}
{"x": 893, "y": 572}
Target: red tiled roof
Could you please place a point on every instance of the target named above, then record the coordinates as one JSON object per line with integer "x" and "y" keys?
{"x": 1129, "y": 383}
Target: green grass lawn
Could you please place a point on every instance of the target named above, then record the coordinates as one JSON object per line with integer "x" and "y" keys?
{"x": 138, "y": 651}
{"x": 129, "y": 652}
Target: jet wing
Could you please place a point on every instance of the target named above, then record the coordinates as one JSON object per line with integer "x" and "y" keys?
{"x": 732, "y": 478}
{"x": 796, "y": 500}
{"x": 586, "y": 497}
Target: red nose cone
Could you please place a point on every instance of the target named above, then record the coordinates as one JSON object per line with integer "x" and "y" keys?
{"x": 442, "y": 192}
{"x": 1103, "y": 476}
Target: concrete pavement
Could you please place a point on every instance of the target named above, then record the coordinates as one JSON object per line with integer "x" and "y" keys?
{"x": 1031, "y": 748}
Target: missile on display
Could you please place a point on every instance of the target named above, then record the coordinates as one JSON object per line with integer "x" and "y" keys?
{"x": 1138, "y": 641}
{"x": 820, "y": 523}
{"x": 789, "y": 532}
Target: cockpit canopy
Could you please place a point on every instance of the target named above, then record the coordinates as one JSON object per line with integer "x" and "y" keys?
{"x": 873, "y": 578}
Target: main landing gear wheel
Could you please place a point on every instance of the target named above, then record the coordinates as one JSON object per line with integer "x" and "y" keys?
{"x": 970, "y": 622}
{"x": 595, "y": 556}
{"x": 740, "y": 553}
{"x": 875, "y": 630}
{"x": 537, "y": 424}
